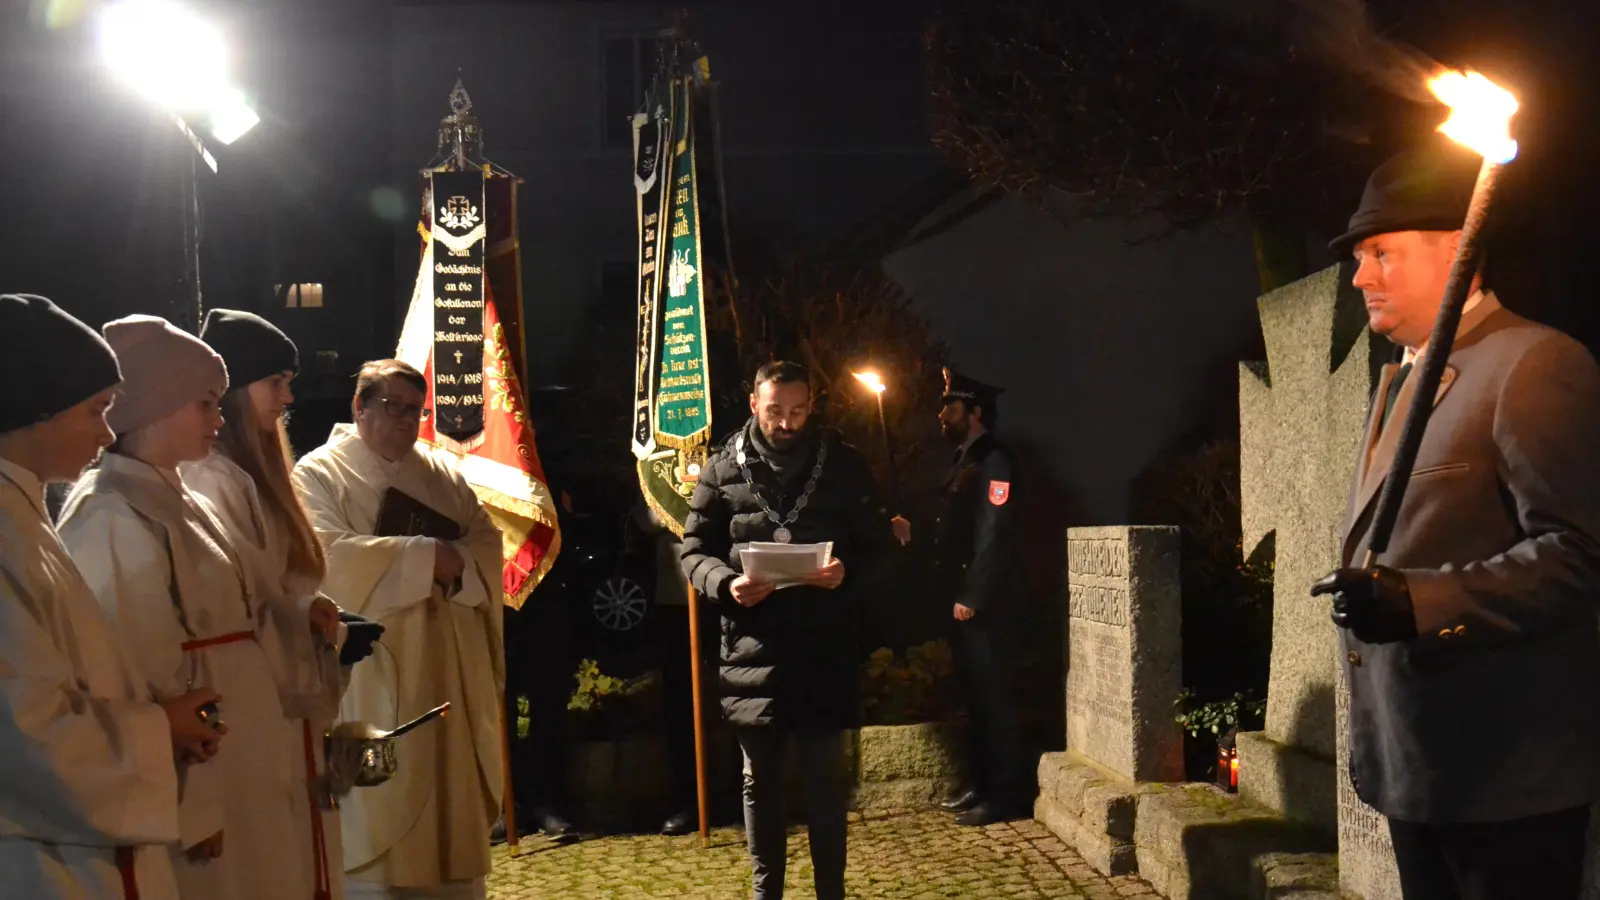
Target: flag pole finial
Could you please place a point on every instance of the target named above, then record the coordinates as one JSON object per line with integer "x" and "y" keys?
{"x": 460, "y": 134}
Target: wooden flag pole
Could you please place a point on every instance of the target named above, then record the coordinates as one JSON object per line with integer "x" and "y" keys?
{"x": 701, "y": 788}
{"x": 510, "y": 795}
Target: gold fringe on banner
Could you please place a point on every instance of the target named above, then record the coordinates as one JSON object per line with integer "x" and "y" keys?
{"x": 684, "y": 443}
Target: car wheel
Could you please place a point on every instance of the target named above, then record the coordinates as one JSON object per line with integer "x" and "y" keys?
{"x": 619, "y": 604}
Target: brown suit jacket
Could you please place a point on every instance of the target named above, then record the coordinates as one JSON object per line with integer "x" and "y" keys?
{"x": 1492, "y": 713}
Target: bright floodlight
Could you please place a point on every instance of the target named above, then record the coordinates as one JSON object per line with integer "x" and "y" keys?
{"x": 176, "y": 60}
{"x": 232, "y": 117}
{"x": 165, "y": 52}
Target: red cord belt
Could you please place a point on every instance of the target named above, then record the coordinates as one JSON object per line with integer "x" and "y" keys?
{"x": 124, "y": 855}
{"x": 219, "y": 640}
{"x": 130, "y": 886}
{"x": 319, "y": 845}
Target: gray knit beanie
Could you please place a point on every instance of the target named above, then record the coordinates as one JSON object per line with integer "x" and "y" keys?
{"x": 163, "y": 370}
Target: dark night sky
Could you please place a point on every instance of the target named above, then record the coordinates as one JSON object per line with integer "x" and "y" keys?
{"x": 331, "y": 173}
{"x": 91, "y": 209}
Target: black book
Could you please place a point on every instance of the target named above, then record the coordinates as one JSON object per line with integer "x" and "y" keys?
{"x": 402, "y": 515}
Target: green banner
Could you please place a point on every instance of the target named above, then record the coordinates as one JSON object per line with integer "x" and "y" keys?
{"x": 683, "y": 396}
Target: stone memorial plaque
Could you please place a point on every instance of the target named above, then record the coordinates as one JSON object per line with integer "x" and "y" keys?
{"x": 1124, "y": 649}
{"x": 1366, "y": 857}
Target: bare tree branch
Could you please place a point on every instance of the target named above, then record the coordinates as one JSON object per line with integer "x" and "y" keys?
{"x": 1132, "y": 108}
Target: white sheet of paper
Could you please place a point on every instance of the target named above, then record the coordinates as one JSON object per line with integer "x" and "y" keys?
{"x": 785, "y": 565}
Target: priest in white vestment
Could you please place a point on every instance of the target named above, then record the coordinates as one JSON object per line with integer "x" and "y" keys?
{"x": 88, "y": 785}
{"x": 183, "y": 602}
{"x": 425, "y": 832}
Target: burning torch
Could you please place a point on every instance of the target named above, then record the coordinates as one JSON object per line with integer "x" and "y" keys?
{"x": 872, "y": 382}
{"x": 1480, "y": 119}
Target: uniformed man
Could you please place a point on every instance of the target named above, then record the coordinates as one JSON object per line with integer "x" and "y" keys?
{"x": 1470, "y": 646}
{"x": 974, "y": 544}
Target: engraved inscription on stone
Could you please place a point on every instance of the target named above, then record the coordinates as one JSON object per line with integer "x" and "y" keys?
{"x": 1122, "y": 649}
{"x": 1099, "y": 680}
{"x": 1366, "y": 856}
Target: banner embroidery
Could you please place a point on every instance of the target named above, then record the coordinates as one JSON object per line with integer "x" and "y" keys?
{"x": 651, "y": 132}
{"x": 458, "y": 237}
{"x": 682, "y": 400}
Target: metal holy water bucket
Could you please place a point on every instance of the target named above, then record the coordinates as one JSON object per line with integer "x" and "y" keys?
{"x": 361, "y": 755}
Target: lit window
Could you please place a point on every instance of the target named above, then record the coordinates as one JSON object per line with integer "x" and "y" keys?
{"x": 300, "y": 296}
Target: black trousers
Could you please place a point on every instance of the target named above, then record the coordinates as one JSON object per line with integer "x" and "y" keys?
{"x": 677, "y": 685}
{"x": 540, "y": 665}
{"x": 819, "y": 758}
{"x": 1537, "y": 857}
{"x": 994, "y": 740}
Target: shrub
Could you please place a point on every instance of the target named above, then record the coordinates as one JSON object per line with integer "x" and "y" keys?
{"x": 916, "y": 689}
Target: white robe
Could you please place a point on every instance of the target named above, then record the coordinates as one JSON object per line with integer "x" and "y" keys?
{"x": 165, "y": 572}
{"x": 309, "y": 678}
{"x": 428, "y": 826}
{"x": 86, "y": 758}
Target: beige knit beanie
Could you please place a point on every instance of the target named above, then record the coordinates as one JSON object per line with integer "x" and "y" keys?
{"x": 163, "y": 370}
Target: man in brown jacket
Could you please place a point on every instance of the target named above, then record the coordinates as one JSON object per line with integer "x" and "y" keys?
{"x": 1471, "y": 647}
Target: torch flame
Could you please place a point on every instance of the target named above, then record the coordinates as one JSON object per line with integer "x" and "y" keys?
{"x": 871, "y": 380}
{"x": 1480, "y": 114}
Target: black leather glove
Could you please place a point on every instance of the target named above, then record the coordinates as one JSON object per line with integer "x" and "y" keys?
{"x": 1374, "y": 604}
{"x": 360, "y": 635}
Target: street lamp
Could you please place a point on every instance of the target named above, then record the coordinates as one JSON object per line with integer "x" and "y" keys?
{"x": 872, "y": 382}
{"x": 178, "y": 62}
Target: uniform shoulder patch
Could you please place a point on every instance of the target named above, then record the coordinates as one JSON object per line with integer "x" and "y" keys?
{"x": 999, "y": 492}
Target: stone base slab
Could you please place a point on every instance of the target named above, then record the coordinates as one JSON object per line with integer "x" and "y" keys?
{"x": 1288, "y": 780}
{"x": 1297, "y": 876}
{"x": 1091, "y": 808}
{"x": 1107, "y": 855}
{"x": 1196, "y": 842}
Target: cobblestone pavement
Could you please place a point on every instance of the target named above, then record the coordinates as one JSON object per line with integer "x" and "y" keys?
{"x": 915, "y": 856}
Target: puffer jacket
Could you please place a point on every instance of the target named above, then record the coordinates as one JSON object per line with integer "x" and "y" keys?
{"x": 790, "y": 660}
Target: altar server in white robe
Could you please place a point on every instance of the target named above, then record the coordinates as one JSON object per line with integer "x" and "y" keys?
{"x": 424, "y": 833}
{"x": 246, "y": 478}
{"x": 88, "y": 788}
{"x": 179, "y": 595}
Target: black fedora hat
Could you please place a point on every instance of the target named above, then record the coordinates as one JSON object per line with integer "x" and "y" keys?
{"x": 1426, "y": 189}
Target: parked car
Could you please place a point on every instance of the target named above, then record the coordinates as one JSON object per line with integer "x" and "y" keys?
{"x": 605, "y": 579}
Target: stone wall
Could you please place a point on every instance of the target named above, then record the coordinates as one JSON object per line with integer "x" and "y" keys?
{"x": 905, "y": 766}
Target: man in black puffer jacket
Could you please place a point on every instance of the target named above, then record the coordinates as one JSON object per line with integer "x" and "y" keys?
{"x": 789, "y": 659}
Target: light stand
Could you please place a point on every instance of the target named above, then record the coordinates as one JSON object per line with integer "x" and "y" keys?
{"x": 177, "y": 61}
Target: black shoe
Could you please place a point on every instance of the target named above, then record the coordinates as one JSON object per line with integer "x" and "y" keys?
{"x": 681, "y": 824}
{"x": 497, "y": 834}
{"x": 961, "y": 802}
{"x": 552, "y": 824}
{"x": 987, "y": 813}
